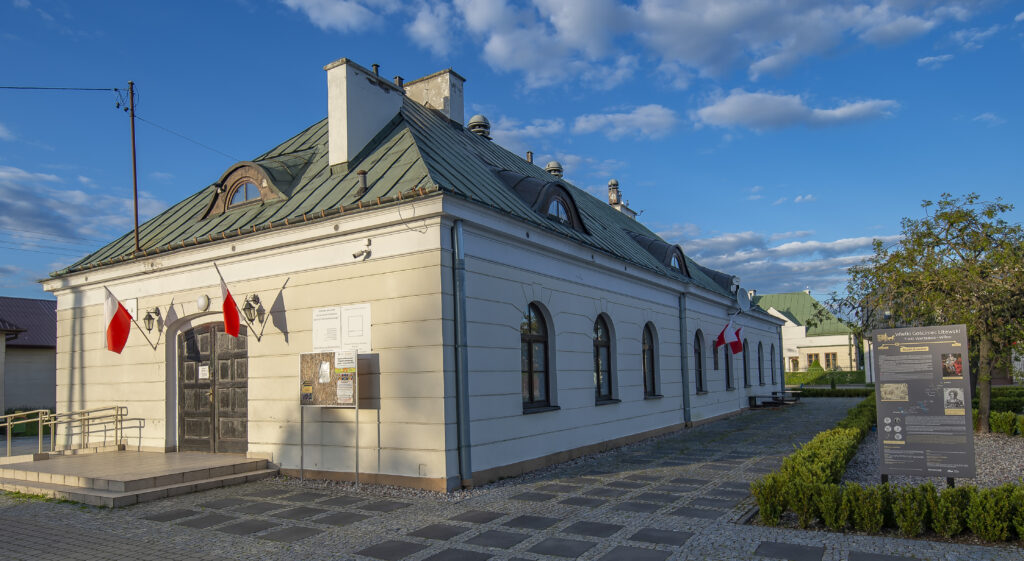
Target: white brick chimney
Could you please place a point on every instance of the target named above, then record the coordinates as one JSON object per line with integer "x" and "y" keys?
{"x": 359, "y": 104}
{"x": 440, "y": 90}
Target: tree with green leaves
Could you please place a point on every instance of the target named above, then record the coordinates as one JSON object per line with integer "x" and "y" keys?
{"x": 963, "y": 263}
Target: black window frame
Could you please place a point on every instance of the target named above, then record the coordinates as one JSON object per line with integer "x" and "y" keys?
{"x": 529, "y": 337}
{"x": 728, "y": 367}
{"x": 773, "y": 363}
{"x": 698, "y": 361}
{"x": 243, "y": 185}
{"x": 602, "y": 346}
{"x": 760, "y": 363}
{"x": 746, "y": 366}
{"x": 648, "y": 362}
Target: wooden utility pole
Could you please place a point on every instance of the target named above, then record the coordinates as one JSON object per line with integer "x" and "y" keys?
{"x": 135, "y": 180}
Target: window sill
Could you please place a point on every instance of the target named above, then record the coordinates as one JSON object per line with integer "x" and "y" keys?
{"x": 655, "y": 396}
{"x": 762, "y": 383}
{"x": 607, "y": 402}
{"x": 746, "y": 385}
{"x": 730, "y": 389}
{"x": 702, "y": 392}
{"x": 532, "y": 410}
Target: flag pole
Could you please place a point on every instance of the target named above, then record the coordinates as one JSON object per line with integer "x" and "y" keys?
{"x": 135, "y": 181}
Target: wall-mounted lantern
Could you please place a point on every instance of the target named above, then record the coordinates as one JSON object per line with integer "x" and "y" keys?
{"x": 150, "y": 318}
{"x": 251, "y": 307}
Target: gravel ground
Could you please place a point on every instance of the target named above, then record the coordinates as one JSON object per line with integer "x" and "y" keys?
{"x": 999, "y": 459}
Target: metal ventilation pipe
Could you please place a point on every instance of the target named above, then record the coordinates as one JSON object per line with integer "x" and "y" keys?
{"x": 362, "y": 183}
{"x": 479, "y": 125}
{"x": 529, "y": 156}
{"x": 399, "y": 81}
{"x": 554, "y": 168}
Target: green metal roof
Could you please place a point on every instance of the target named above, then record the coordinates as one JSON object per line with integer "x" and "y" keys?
{"x": 799, "y": 308}
{"x": 418, "y": 153}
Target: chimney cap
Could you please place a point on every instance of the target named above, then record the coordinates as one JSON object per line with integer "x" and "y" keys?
{"x": 554, "y": 168}
{"x": 478, "y": 124}
{"x": 613, "y": 182}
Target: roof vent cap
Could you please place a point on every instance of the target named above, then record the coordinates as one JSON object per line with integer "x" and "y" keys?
{"x": 478, "y": 124}
{"x": 614, "y": 195}
{"x": 554, "y": 168}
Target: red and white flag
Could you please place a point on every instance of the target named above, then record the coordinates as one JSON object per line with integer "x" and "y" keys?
{"x": 117, "y": 320}
{"x": 731, "y": 337}
{"x": 231, "y": 319}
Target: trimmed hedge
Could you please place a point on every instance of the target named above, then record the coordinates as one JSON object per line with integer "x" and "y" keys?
{"x": 807, "y": 484}
{"x": 839, "y": 392}
{"x": 822, "y": 378}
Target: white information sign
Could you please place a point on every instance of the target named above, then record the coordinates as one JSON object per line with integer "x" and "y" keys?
{"x": 327, "y": 328}
{"x": 355, "y": 323}
{"x": 204, "y": 372}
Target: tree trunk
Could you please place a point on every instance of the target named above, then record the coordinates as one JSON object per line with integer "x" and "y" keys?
{"x": 984, "y": 380}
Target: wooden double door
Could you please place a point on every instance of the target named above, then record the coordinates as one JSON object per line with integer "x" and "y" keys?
{"x": 213, "y": 390}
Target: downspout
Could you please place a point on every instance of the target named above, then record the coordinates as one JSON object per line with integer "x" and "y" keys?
{"x": 683, "y": 338}
{"x": 461, "y": 356}
{"x": 782, "y": 360}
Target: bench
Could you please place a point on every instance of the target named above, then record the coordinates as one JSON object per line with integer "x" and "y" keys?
{"x": 764, "y": 401}
{"x": 787, "y": 396}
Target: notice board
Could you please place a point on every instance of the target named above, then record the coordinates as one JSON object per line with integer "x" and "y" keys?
{"x": 924, "y": 401}
{"x": 328, "y": 379}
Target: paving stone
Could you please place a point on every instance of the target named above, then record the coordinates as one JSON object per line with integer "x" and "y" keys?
{"x": 625, "y": 553}
{"x": 341, "y": 501}
{"x": 690, "y": 481}
{"x": 439, "y": 531}
{"x": 498, "y": 538}
{"x": 605, "y": 492}
{"x": 633, "y": 506}
{"x": 384, "y": 506}
{"x": 657, "y": 497}
{"x": 530, "y": 522}
{"x": 290, "y": 534}
{"x": 169, "y": 515}
{"x": 224, "y": 503}
{"x": 678, "y": 489}
{"x": 207, "y": 521}
{"x": 717, "y": 467}
{"x": 264, "y": 493}
{"x": 789, "y": 551}
{"x": 737, "y": 485}
{"x": 592, "y": 529}
{"x": 246, "y": 527}
{"x": 305, "y": 497}
{"x": 259, "y": 507}
{"x": 341, "y": 518}
{"x": 477, "y": 516}
{"x": 533, "y": 497}
{"x": 691, "y": 512}
{"x": 562, "y": 547}
{"x": 729, "y": 493}
{"x": 714, "y": 503}
{"x": 862, "y": 556}
{"x": 557, "y": 488}
{"x": 661, "y": 537}
{"x": 583, "y": 501}
{"x": 299, "y": 513}
{"x": 627, "y": 484}
{"x": 458, "y": 555}
{"x": 643, "y": 477}
{"x": 392, "y": 550}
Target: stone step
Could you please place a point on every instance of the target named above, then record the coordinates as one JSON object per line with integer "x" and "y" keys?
{"x": 127, "y": 485}
{"x": 112, "y": 499}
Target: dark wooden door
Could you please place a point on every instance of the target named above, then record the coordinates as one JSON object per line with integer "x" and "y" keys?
{"x": 213, "y": 390}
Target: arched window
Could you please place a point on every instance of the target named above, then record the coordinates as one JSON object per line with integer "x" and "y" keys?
{"x": 245, "y": 192}
{"x": 773, "y": 362}
{"x": 714, "y": 354}
{"x": 760, "y": 364}
{"x": 727, "y": 357}
{"x": 648, "y": 352}
{"x": 602, "y": 361}
{"x": 534, "y": 338}
{"x": 698, "y": 360}
{"x": 746, "y": 366}
{"x": 558, "y": 210}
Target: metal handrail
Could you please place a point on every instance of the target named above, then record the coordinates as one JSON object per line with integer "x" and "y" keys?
{"x": 86, "y": 419}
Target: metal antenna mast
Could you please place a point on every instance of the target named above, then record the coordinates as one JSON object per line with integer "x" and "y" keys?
{"x": 135, "y": 177}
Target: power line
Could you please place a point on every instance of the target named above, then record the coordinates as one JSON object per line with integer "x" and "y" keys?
{"x": 63, "y": 254}
{"x": 63, "y": 89}
{"x": 196, "y": 142}
{"x": 58, "y": 237}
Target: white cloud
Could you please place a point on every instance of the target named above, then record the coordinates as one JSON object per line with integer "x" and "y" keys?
{"x": 430, "y": 28}
{"x": 804, "y": 198}
{"x": 343, "y": 15}
{"x": 647, "y": 121}
{"x": 22, "y": 4}
{"x": 1019, "y": 17}
{"x": 88, "y": 182}
{"x": 162, "y": 176}
{"x": 971, "y": 39}
{"x": 761, "y": 110}
{"x": 755, "y": 193}
{"x": 934, "y": 62}
{"x": 779, "y": 201}
{"x": 512, "y": 134}
{"x": 5, "y": 133}
{"x": 991, "y": 119}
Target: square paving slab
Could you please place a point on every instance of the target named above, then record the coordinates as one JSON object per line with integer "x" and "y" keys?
{"x": 714, "y": 503}
{"x": 290, "y": 534}
{"x": 384, "y": 506}
{"x": 605, "y": 492}
{"x": 169, "y": 515}
{"x": 634, "y": 506}
{"x": 583, "y": 501}
{"x": 530, "y": 522}
{"x": 690, "y": 481}
{"x": 299, "y": 513}
{"x": 393, "y": 550}
{"x": 303, "y": 497}
{"x": 691, "y": 512}
{"x": 458, "y": 555}
{"x": 341, "y": 518}
{"x": 207, "y": 521}
{"x": 340, "y": 501}
{"x": 661, "y": 537}
{"x": 627, "y": 484}
{"x": 562, "y": 547}
{"x": 557, "y": 488}
{"x": 625, "y": 553}
{"x": 533, "y": 497}
{"x": 477, "y": 516}
{"x": 265, "y": 493}
{"x": 862, "y": 556}
{"x": 439, "y": 531}
{"x": 258, "y": 507}
{"x": 657, "y": 497}
{"x": 498, "y": 538}
{"x": 223, "y": 503}
{"x": 643, "y": 477}
{"x": 592, "y": 529}
{"x": 789, "y": 551}
{"x": 247, "y": 527}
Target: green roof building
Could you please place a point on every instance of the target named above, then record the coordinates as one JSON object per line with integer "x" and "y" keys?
{"x": 824, "y": 339}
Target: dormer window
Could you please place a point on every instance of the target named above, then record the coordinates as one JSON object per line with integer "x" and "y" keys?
{"x": 557, "y": 210}
{"x": 245, "y": 192}
{"x": 677, "y": 263}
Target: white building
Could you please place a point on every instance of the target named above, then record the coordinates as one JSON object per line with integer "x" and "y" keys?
{"x": 807, "y": 338}
{"x": 473, "y": 261}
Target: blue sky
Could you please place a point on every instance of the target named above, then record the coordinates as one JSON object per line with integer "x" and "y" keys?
{"x": 774, "y": 139}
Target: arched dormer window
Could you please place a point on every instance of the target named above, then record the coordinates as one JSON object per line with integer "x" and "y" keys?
{"x": 677, "y": 263}
{"x": 558, "y": 211}
{"x": 550, "y": 199}
{"x": 245, "y": 191}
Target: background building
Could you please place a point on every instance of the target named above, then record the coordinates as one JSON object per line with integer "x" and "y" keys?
{"x": 27, "y": 353}
{"x": 827, "y": 340}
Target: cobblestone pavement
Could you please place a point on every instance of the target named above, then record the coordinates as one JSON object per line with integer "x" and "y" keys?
{"x": 682, "y": 496}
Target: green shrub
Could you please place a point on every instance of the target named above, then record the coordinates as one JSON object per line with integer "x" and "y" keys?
{"x": 771, "y": 500}
{"x": 930, "y": 497}
{"x": 840, "y": 392}
{"x": 950, "y": 515}
{"x": 1003, "y": 421}
{"x": 909, "y": 510}
{"x": 867, "y": 508}
{"x": 821, "y": 378}
{"x": 1017, "y": 499}
{"x": 832, "y": 507}
{"x": 1020, "y": 426}
{"x": 815, "y": 368}
{"x": 974, "y": 418}
{"x": 990, "y": 512}
{"x": 800, "y": 498}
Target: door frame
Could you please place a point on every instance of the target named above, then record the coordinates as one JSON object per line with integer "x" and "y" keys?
{"x": 215, "y": 330}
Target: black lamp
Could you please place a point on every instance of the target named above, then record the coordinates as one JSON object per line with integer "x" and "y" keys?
{"x": 252, "y": 302}
{"x": 150, "y": 318}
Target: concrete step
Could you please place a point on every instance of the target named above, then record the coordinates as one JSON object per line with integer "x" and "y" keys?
{"x": 123, "y": 485}
{"x": 113, "y": 498}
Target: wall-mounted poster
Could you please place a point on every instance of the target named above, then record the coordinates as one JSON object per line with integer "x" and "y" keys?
{"x": 924, "y": 397}
{"x": 328, "y": 379}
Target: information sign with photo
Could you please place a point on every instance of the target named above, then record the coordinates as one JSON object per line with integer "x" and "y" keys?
{"x": 328, "y": 379}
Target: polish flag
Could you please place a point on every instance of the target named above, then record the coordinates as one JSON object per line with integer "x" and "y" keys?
{"x": 231, "y": 320}
{"x": 730, "y": 337}
{"x": 118, "y": 321}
